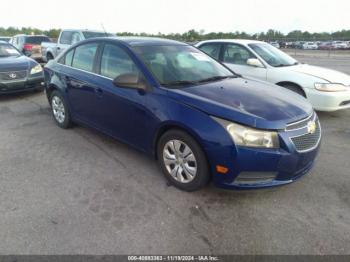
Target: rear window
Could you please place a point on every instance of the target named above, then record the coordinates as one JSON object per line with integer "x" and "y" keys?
{"x": 37, "y": 40}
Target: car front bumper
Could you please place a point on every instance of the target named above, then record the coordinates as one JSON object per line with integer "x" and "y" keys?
{"x": 253, "y": 168}
{"x": 28, "y": 84}
{"x": 328, "y": 101}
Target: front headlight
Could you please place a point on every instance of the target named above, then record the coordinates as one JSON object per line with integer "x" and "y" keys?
{"x": 250, "y": 137}
{"x": 330, "y": 87}
{"x": 36, "y": 69}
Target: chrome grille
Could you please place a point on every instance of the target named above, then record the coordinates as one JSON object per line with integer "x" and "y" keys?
{"x": 13, "y": 75}
{"x": 309, "y": 141}
{"x": 300, "y": 124}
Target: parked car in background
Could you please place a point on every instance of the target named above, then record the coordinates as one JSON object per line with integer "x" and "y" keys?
{"x": 67, "y": 38}
{"x": 30, "y": 45}
{"x": 290, "y": 44}
{"x": 326, "y": 89}
{"x": 339, "y": 45}
{"x": 299, "y": 44}
{"x": 5, "y": 38}
{"x": 275, "y": 44}
{"x": 326, "y": 46}
{"x": 310, "y": 46}
{"x": 17, "y": 71}
{"x": 198, "y": 119}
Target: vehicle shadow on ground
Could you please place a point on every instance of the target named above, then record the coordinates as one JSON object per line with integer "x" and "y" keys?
{"x": 18, "y": 96}
{"x": 125, "y": 153}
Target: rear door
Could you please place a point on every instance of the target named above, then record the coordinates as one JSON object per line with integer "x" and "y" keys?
{"x": 82, "y": 84}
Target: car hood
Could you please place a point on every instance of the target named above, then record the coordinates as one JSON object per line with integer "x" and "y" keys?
{"x": 247, "y": 101}
{"x": 328, "y": 75}
{"x": 15, "y": 63}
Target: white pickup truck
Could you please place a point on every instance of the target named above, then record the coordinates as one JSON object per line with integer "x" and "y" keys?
{"x": 67, "y": 38}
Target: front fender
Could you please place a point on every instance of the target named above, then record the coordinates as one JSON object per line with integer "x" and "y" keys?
{"x": 279, "y": 75}
{"x": 210, "y": 135}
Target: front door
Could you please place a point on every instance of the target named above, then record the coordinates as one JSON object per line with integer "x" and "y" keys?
{"x": 235, "y": 57}
{"x": 122, "y": 111}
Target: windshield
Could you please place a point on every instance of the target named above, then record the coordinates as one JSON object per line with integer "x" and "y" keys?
{"x": 178, "y": 65}
{"x": 89, "y": 34}
{"x": 7, "y": 50}
{"x": 37, "y": 40}
{"x": 272, "y": 55}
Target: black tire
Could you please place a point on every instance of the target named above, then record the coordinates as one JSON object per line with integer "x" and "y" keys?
{"x": 40, "y": 89}
{"x": 66, "y": 123}
{"x": 202, "y": 175}
{"x": 294, "y": 88}
{"x": 49, "y": 57}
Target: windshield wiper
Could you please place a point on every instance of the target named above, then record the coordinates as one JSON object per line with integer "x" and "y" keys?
{"x": 188, "y": 82}
{"x": 179, "y": 83}
{"x": 214, "y": 78}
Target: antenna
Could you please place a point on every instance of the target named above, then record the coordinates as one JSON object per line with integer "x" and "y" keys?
{"x": 104, "y": 30}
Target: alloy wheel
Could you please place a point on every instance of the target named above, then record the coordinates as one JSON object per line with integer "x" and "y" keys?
{"x": 58, "y": 109}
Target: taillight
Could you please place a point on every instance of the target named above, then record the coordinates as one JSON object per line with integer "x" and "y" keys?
{"x": 28, "y": 47}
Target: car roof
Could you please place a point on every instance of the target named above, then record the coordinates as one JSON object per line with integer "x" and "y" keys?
{"x": 83, "y": 30}
{"x": 238, "y": 41}
{"x": 4, "y": 42}
{"x": 145, "y": 41}
{"x": 29, "y": 35}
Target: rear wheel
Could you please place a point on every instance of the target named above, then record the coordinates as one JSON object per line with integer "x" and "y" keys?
{"x": 182, "y": 161}
{"x": 60, "y": 110}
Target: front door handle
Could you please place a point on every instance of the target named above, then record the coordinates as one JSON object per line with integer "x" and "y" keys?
{"x": 98, "y": 91}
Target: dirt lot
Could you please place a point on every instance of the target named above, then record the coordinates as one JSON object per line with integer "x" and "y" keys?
{"x": 79, "y": 192}
{"x": 337, "y": 60}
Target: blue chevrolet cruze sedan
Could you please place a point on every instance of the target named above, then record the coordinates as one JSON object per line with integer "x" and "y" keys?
{"x": 200, "y": 120}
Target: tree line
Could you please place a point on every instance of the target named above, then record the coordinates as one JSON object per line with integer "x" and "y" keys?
{"x": 193, "y": 35}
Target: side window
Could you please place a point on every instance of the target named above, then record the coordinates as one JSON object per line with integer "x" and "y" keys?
{"x": 115, "y": 61}
{"x": 67, "y": 58}
{"x": 76, "y": 37}
{"x": 66, "y": 38}
{"x": 212, "y": 49}
{"x": 84, "y": 56}
{"x": 237, "y": 54}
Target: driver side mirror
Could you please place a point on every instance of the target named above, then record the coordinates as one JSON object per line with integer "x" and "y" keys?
{"x": 130, "y": 81}
{"x": 254, "y": 62}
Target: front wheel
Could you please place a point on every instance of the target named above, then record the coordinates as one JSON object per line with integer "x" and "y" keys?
{"x": 49, "y": 57}
{"x": 182, "y": 161}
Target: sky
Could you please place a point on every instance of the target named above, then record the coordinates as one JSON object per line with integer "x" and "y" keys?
{"x": 178, "y": 16}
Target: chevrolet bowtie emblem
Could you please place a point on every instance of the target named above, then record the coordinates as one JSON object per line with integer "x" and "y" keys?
{"x": 311, "y": 127}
